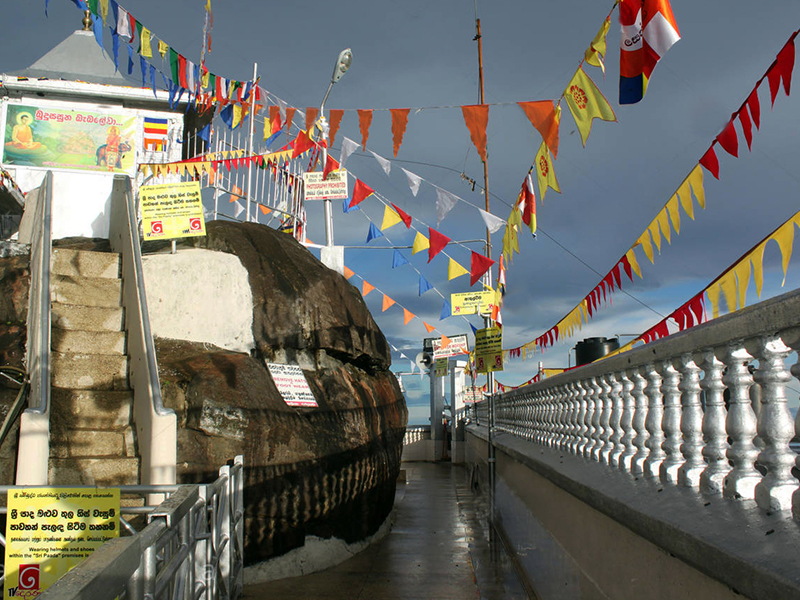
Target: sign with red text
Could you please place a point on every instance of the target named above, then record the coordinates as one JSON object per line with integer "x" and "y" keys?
{"x": 172, "y": 210}
{"x": 332, "y": 188}
{"x": 291, "y": 383}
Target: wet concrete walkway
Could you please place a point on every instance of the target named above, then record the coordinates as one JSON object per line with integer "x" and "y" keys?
{"x": 439, "y": 548}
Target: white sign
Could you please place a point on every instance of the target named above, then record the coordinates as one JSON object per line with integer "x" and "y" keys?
{"x": 458, "y": 345}
{"x": 333, "y": 188}
{"x": 291, "y": 383}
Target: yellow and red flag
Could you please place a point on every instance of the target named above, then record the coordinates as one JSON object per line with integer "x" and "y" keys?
{"x": 586, "y": 103}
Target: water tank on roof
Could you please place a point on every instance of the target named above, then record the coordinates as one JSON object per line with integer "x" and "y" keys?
{"x": 590, "y": 349}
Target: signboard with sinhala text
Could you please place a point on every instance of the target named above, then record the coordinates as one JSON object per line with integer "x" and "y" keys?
{"x": 441, "y": 367}
{"x": 473, "y": 303}
{"x": 172, "y": 210}
{"x": 489, "y": 350}
{"x": 332, "y": 188}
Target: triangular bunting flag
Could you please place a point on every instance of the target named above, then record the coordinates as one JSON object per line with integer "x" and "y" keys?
{"x": 408, "y": 316}
{"x": 399, "y": 124}
{"x": 446, "y": 311}
{"x": 597, "y": 49}
{"x": 445, "y": 202}
{"x": 364, "y": 122}
{"x": 406, "y": 218}
{"x": 493, "y": 223}
{"x": 413, "y": 181}
{"x": 479, "y": 264}
{"x": 586, "y": 103}
{"x": 476, "y": 117}
{"x": 545, "y": 119}
{"x": 390, "y": 218}
{"x": 545, "y": 174}
{"x": 366, "y": 288}
{"x": 373, "y": 233}
{"x": 710, "y": 162}
{"x": 455, "y": 270}
{"x": 385, "y": 164}
{"x": 398, "y": 260}
{"x": 348, "y": 147}
{"x": 335, "y": 121}
{"x": 424, "y": 286}
{"x": 437, "y": 242}
{"x": 420, "y": 243}
{"x": 311, "y": 117}
{"x": 728, "y": 140}
{"x": 428, "y": 328}
{"x": 360, "y": 191}
{"x": 387, "y": 302}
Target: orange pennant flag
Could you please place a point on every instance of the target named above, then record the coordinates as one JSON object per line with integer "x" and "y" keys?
{"x": 289, "y": 118}
{"x": 445, "y": 342}
{"x": 428, "y": 328}
{"x": 387, "y": 302}
{"x": 366, "y": 288}
{"x": 348, "y": 273}
{"x": 336, "y": 120}
{"x": 407, "y": 316}
{"x": 399, "y": 124}
{"x": 275, "y": 118}
{"x": 311, "y": 118}
{"x": 264, "y": 209}
{"x": 543, "y": 117}
{"x": 364, "y": 122}
{"x": 476, "y": 118}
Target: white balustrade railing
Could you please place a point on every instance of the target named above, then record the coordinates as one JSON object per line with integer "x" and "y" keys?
{"x": 706, "y": 408}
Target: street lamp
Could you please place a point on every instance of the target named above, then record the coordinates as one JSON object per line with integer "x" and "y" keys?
{"x": 329, "y": 256}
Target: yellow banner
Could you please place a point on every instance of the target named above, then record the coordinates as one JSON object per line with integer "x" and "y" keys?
{"x": 489, "y": 350}
{"x": 473, "y": 303}
{"x": 51, "y": 530}
{"x": 172, "y": 210}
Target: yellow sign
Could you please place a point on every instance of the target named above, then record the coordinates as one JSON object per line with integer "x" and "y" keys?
{"x": 172, "y": 210}
{"x": 472, "y": 303}
{"x": 440, "y": 367}
{"x": 50, "y": 530}
{"x": 489, "y": 350}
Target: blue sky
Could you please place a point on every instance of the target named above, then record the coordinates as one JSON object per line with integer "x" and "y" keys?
{"x": 421, "y": 54}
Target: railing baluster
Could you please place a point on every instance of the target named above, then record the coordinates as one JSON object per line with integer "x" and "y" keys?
{"x": 716, "y": 439}
{"x": 691, "y": 424}
{"x": 639, "y": 420}
{"x": 626, "y": 423}
{"x": 597, "y": 411}
{"x": 615, "y": 447}
{"x": 671, "y": 423}
{"x": 602, "y": 450}
{"x": 562, "y": 412}
{"x": 583, "y": 403}
{"x": 775, "y": 427}
{"x": 653, "y": 423}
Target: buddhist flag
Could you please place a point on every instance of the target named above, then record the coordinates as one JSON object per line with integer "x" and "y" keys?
{"x": 587, "y": 103}
{"x": 399, "y": 124}
{"x": 648, "y": 31}
{"x": 364, "y": 123}
{"x": 545, "y": 174}
{"x": 476, "y": 117}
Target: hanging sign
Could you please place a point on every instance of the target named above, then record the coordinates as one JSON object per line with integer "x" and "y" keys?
{"x": 332, "y": 188}
{"x": 472, "y": 394}
{"x": 172, "y": 210}
{"x": 489, "y": 350}
{"x": 291, "y": 383}
{"x": 458, "y": 345}
{"x": 61, "y": 138}
{"x": 472, "y": 303}
{"x": 51, "y": 530}
{"x": 441, "y": 367}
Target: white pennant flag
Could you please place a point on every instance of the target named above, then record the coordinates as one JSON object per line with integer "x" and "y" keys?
{"x": 402, "y": 355}
{"x": 492, "y": 223}
{"x": 123, "y": 24}
{"x": 282, "y": 107}
{"x": 413, "y": 181}
{"x": 383, "y": 162}
{"x": 239, "y": 208}
{"x": 348, "y": 147}
{"x": 413, "y": 364}
{"x": 445, "y": 201}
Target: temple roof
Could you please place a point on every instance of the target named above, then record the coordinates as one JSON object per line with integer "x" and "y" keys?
{"x": 77, "y": 58}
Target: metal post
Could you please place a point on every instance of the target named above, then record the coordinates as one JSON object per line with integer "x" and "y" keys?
{"x": 250, "y": 144}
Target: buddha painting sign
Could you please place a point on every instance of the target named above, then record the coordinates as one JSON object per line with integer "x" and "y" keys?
{"x": 65, "y": 138}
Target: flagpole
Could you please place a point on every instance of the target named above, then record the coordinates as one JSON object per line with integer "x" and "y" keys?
{"x": 252, "y": 130}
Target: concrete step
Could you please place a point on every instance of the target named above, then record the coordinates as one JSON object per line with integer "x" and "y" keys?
{"x": 89, "y": 371}
{"x": 86, "y": 291}
{"x": 100, "y": 472}
{"x": 88, "y": 342}
{"x": 91, "y": 409}
{"x": 88, "y": 318}
{"x": 83, "y": 263}
{"x": 87, "y": 443}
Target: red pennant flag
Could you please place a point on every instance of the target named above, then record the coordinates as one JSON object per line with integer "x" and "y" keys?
{"x": 360, "y": 191}
{"x": 364, "y": 122}
{"x": 302, "y": 144}
{"x": 331, "y": 164}
{"x": 275, "y": 118}
{"x": 182, "y": 72}
{"x": 428, "y": 328}
{"x": 336, "y": 120}
{"x": 755, "y": 108}
{"x": 478, "y": 266}
{"x": 528, "y": 201}
{"x": 406, "y": 217}
{"x": 728, "y": 140}
{"x": 476, "y": 118}
{"x": 781, "y": 69}
{"x": 627, "y": 266}
{"x": 399, "y": 124}
{"x": 710, "y": 162}
{"x": 542, "y": 116}
{"x": 617, "y": 276}
{"x": 289, "y": 118}
{"x": 747, "y": 126}
{"x": 437, "y": 243}
{"x": 311, "y": 117}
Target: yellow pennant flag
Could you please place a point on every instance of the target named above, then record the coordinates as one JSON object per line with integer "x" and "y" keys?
{"x": 455, "y": 270}
{"x": 742, "y": 271}
{"x": 597, "y": 49}
{"x": 237, "y": 116}
{"x": 785, "y": 239}
{"x": 685, "y": 196}
{"x": 757, "y": 258}
{"x": 713, "y": 298}
{"x": 663, "y": 224}
{"x": 633, "y": 262}
{"x": 655, "y": 231}
{"x": 647, "y": 245}
{"x": 163, "y": 48}
{"x": 267, "y": 129}
{"x": 727, "y": 284}
{"x": 545, "y": 174}
{"x": 204, "y": 82}
{"x": 144, "y": 43}
{"x": 587, "y": 103}
{"x": 390, "y": 218}
{"x": 674, "y": 213}
{"x": 510, "y": 235}
{"x": 102, "y": 5}
{"x": 695, "y": 180}
{"x": 420, "y": 243}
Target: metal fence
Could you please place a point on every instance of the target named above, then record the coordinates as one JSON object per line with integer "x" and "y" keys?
{"x": 191, "y": 548}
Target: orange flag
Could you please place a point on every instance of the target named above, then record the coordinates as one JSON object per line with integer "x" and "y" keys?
{"x": 348, "y": 273}
{"x": 476, "y": 118}
{"x": 428, "y": 328}
{"x": 336, "y": 120}
{"x": 399, "y": 124}
{"x": 366, "y": 288}
{"x": 264, "y": 209}
{"x": 445, "y": 342}
{"x": 311, "y": 117}
{"x": 387, "y": 302}
{"x": 543, "y": 117}
{"x": 289, "y": 118}
{"x": 407, "y": 316}
{"x": 275, "y": 118}
{"x": 364, "y": 122}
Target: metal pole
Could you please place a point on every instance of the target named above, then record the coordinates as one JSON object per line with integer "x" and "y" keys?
{"x": 327, "y": 201}
{"x": 250, "y": 145}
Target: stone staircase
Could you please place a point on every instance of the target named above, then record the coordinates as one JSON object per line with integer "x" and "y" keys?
{"x": 92, "y": 438}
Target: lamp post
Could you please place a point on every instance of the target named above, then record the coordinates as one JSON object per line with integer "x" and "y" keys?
{"x": 331, "y": 256}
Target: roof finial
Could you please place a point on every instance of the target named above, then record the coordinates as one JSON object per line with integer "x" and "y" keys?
{"x": 87, "y": 20}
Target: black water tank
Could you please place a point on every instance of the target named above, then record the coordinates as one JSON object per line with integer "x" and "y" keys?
{"x": 590, "y": 349}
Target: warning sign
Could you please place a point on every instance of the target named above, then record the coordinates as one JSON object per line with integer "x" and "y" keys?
{"x": 172, "y": 210}
{"x": 458, "y": 345}
{"x": 333, "y": 188}
{"x": 441, "y": 367}
{"x": 489, "y": 350}
{"x": 51, "y": 530}
{"x": 291, "y": 383}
